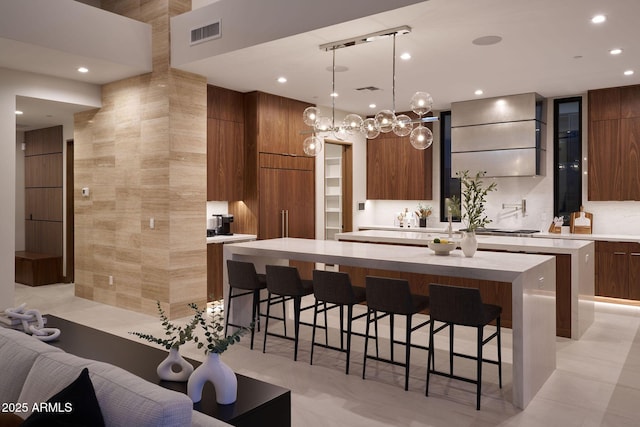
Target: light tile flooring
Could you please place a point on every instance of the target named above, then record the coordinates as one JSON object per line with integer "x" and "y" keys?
{"x": 596, "y": 383}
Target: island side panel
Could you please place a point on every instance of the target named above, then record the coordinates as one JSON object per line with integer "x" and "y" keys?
{"x": 583, "y": 290}
{"x": 534, "y": 344}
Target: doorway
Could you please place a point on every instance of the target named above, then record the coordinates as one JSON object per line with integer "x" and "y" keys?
{"x": 338, "y": 188}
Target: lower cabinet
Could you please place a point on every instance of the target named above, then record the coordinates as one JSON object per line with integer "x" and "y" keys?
{"x": 214, "y": 271}
{"x": 618, "y": 269}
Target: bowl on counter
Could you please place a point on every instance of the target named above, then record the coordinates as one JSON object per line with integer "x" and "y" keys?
{"x": 442, "y": 248}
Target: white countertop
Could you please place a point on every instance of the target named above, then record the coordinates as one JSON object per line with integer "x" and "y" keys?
{"x": 234, "y": 238}
{"x": 497, "y": 266}
{"x": 542, "y": 235}
{"x": 509, "y": 243}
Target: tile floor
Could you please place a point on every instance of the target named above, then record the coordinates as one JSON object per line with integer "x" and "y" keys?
{"x": 596, "y": 383}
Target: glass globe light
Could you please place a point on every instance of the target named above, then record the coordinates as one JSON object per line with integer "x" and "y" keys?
{"x": 421, "y": 103}
{"x": 352, "y": 123}
{"x": 310, "y": 115}
{"x": 403, "y": 125}
{"x": 370, "y": 128}
{"x": 312, "y": 146}
{"x": 323, "y": 124}
{"x": 340, "y": 133}
{"x": 421, "y": 137}
{"x": 386, "y": 119}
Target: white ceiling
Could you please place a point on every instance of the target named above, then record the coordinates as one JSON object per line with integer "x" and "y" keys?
{"x": 548, "y": 46}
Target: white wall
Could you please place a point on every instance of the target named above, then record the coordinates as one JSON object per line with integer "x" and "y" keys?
{"x": 14, "y": 83}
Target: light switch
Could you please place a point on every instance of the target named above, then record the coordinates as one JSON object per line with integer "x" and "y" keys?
{"x": 85, "y": 191}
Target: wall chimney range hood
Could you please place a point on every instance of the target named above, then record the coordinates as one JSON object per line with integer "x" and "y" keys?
{"x": 505, "y": 136}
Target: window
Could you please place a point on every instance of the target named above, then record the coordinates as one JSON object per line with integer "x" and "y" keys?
{"x": 567, "y": 157}
{"x": 448, "y": 186}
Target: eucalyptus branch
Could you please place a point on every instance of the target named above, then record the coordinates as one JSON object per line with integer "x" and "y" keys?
{"x": 214, "y": 339}
{"x": 175, "y": 335}
{"x": 474, "y": 196}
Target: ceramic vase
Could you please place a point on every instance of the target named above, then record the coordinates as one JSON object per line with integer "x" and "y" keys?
{"x": 174, "y": 367}
{"x": 217, "y": 372}
{"x": 469, "y": 243}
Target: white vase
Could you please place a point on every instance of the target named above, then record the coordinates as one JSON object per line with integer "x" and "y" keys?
{"x": 469, "y": 243}
{"x": 216, "y": 371}
{"x": 174, "y": 367}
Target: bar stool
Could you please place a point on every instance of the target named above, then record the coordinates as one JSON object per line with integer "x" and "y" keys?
{"x": 455, "y": 305}
{"x": 391, "y": 297}
{"x": 285, "y": 282}
{"x": 335, "y": 288}
{"x": 242, "y": 276}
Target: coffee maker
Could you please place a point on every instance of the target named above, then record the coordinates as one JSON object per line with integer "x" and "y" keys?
{"x": 219, "y": 225}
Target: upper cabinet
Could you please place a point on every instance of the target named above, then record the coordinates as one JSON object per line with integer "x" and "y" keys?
{"x": 397, "y": 171}
{"x": 278, "y": 123}
{"x": 225, "y": 144}
{"x": 614, "y": 144}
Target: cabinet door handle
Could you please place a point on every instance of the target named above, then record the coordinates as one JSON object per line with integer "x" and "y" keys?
{"x": 635, "y": 253}
{"x": 286, "y": 214}
{"x": 619, "y": 253}
{"x": 282, "y": 233}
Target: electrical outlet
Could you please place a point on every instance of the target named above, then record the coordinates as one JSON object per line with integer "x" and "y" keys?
{"x": 152, "y": 223}
{"x": 111, "y": 280}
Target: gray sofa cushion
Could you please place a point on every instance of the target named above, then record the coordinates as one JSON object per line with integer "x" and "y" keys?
{"x": 125, "y": 399}
{"x": 18, "y": 351}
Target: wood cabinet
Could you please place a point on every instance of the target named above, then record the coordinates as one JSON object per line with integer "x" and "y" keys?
{"x": 225, "y": 144}
{"x": 397, "y": 171}
{"x": 214, "y": 271}
{"x": 614, "y": 144}
{"x": 618, "y": 269}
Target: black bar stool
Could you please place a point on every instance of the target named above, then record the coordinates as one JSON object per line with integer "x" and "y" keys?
{"x": 391, "y": 297}
{"x": 335, "y": 288}
{"x": 455, "y": 305}
{"x": 242, "y": 276}
{"x": 284, "y": 281}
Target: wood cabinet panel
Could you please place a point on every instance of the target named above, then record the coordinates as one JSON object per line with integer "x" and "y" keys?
{"x": 225, "y": 160}
{"x": 630, "y": 101}
{"x": 296, "y": 127}
{"x": 43, "y": 204}
{"x": 397, "y": 171}
{"x": 605, "y": 161}
{"x": 273, "y": 123}
{"x": 286, "y": 203}
{"x": 43, "y": 170}
{"x": 612, "y": 267}
{"x": 43, "y": 141}
{"x": 630, "y": 140}
{"x": 214, "y": 272}
{"x": 43, "y": 237}
{"x": 604, "y": 104}
{"x": 225, "y": 104}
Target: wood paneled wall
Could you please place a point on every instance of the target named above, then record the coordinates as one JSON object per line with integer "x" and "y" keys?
{"x": 43, "y": 191}
{"x": 143, "y": 155}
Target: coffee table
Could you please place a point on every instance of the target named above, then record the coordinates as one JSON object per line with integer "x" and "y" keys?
{"x": 258, "y": 402}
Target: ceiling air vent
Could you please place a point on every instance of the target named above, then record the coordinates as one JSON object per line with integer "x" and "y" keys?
{"x": 206, "y": 33}
{"x": 369, "y": 88}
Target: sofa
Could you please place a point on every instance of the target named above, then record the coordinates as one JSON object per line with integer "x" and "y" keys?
{"x": 34, "y": 372}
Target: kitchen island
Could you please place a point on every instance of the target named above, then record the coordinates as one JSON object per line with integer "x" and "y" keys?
{"x": 575, "y": 268}
{"x": 530, "y": 277}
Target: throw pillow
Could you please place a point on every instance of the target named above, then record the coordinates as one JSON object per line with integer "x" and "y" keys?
{"x": 74, "y": 406}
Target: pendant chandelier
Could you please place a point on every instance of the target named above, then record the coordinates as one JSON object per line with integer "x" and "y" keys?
{"x": 384, "y": 121}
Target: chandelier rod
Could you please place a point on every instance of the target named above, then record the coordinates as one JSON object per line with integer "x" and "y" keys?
{"x": 393, "y": 91}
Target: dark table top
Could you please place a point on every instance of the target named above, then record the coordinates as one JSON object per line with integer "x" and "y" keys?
{"x": 142, "y": 360}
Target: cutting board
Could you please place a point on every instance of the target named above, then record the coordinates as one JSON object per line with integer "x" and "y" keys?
{"x": 581, "y": 222}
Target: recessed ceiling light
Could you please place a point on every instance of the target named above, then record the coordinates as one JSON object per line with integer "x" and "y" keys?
{"x": 598, "y": 19}
{"x": 83, "y": 70}
{"x": 282, "y": 79}
{"x": 334, "y": 94}
{"x": 487, "y": 40}
{"x": 405, "y": 56}
{"x": 19, "y": 113}
{"x": 628, "y": 73}
{"x": 372, "y": 105}
{"x": 615, "y": 51}
{"x": 479, "y": 92}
